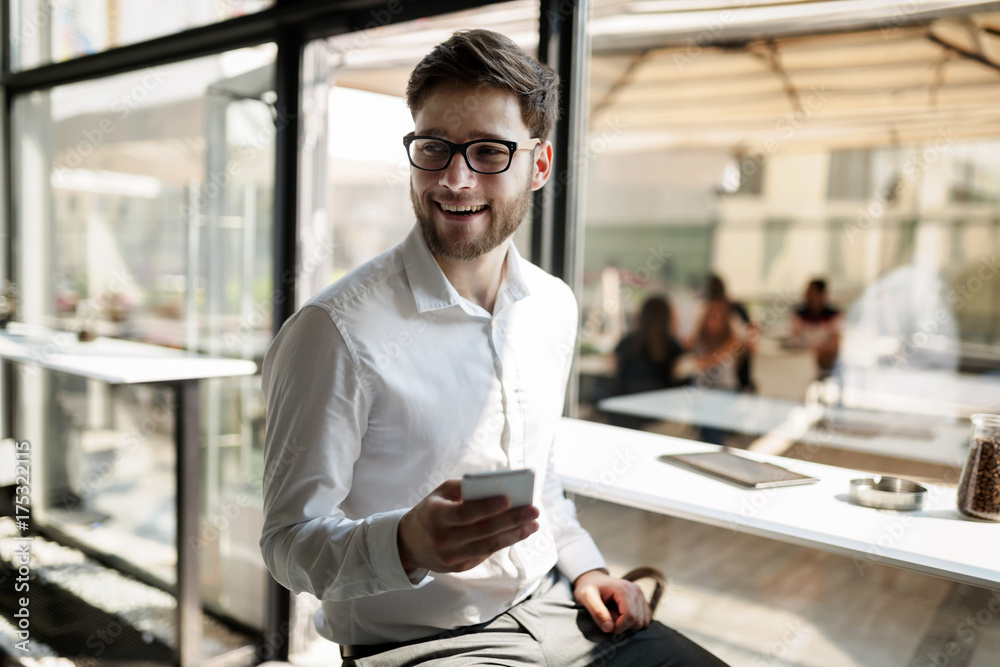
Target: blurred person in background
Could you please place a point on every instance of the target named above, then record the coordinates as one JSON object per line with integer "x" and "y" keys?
{"x": 717, "y": 351}
{"x": 740, "y": 323}
{"x": 717, "y": 348}
{"x": 816, "y": 324}
{"x": 647, "y": 357}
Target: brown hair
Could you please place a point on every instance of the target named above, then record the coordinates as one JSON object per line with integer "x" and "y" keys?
{"x": 654, "y": 328}
{"x": 709, "y": 341}
{"x": 482, "y": 58}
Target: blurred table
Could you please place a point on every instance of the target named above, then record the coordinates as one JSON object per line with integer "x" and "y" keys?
{"x": 915, "y": 390}
{"x": 619, "y": 465}
{"x": 927, "y": 438}
{"x": 127, "y": 362}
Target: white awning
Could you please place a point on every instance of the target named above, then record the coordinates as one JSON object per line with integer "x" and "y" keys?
{"x": 753, "y": 76}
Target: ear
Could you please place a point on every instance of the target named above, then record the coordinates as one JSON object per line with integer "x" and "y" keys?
{"x": 543, "y": 165}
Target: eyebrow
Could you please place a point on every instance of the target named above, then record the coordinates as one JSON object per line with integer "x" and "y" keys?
{"x": 443, "y": 134}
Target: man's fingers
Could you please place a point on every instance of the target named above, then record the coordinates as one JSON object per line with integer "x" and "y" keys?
{"x": 494, "y": 524}
{"x": 444, "y": 534}
{"x": 466, "y": 555}
{"x": 471, "y": 511}
{"x": 591, "y": 600}
{"x": 501, "y": 540}
{"x": 633, "y": 609}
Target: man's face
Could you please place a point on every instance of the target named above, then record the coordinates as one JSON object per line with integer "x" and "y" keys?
{"x": 815, "y": 297}
{"x": 499, "y": 202}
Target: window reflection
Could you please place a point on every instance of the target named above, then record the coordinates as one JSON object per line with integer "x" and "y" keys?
{"x": 355, "y": 184}
{"x": 725, "y": 139}
{"x": 48, "y": 32}
{"x": 145, "y": 213}
{"x": 842, "y": 159}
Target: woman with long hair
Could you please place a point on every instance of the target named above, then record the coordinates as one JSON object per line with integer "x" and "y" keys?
{"x": 647, "y": 356}
{"x": 717, "y": 349}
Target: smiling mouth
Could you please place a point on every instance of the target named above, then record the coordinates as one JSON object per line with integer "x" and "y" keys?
{"x": 461, "y": 209}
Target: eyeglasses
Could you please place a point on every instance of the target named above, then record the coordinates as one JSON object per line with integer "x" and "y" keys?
{"x": 484, "y": 156}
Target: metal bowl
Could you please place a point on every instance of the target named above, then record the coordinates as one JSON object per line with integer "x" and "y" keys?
{"x": 888, "y": 493}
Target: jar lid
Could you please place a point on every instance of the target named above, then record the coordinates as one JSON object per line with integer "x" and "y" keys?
{"x": 984, "y": 418}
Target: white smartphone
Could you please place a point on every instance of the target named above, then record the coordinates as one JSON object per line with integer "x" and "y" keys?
{"x": 518, "y": 485}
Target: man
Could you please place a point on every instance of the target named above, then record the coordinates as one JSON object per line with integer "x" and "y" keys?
{"x": 445, "y": 355}
{"x": 816, "y": 324}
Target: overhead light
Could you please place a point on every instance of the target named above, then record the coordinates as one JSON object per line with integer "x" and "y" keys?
{"x": 106, "y": 183}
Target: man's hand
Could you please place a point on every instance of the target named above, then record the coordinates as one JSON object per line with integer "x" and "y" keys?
{"x": 443, "y": 534}
{"x": 615, "y": 605}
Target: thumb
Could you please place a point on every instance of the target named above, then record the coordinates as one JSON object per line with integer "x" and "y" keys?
{"x": 591, "y": 600}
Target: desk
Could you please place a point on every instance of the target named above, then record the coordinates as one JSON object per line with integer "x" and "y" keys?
{"x": 916, "y": 390}
{"x": 619, "y": 465}
{"x": 917, "y": 437}
{"x": 126, "y": 362}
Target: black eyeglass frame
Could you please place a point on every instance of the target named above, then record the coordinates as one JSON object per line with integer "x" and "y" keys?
{"x": 513, "y": 146}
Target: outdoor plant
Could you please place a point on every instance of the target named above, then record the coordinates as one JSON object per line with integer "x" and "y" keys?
{"x": 8, "y": 303}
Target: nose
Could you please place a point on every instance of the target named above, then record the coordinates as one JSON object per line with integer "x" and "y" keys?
{"x": 457, "y": 175}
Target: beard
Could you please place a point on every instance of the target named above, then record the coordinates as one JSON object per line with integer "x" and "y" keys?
{"x": 505, "y": 218}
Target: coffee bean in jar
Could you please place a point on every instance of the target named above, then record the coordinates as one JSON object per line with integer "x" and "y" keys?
{"x": 979, "y": 486}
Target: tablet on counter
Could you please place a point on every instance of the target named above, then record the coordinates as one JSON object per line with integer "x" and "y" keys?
{"x": 739, "y": 470}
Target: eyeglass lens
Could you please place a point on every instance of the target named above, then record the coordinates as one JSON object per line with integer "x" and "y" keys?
{"x": 484, "y": 156}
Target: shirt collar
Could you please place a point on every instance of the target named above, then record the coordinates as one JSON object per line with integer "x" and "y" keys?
{"x": 431, "y": 289}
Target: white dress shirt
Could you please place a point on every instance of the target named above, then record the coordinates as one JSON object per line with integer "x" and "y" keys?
{"x": 383, "y": 386}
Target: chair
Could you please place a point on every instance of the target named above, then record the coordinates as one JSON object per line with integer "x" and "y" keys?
{"x": 659, "y": 585}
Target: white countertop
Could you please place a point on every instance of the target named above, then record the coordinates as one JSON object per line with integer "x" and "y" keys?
{"x": 619, "y": 465}
{"x": 113, "y": 360}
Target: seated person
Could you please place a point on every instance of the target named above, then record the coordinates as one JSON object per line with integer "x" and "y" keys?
{"x": 816, "y": 324}
{"x": 446, "y": 355}
{"x": 647, "y": 357}
{"x": 717, "y": 348}
{"x": 742, "y": 325}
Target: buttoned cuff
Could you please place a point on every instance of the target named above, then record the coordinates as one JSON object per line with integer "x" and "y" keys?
{"x": 383, "y": 550}
{"x": 579, "y": 556}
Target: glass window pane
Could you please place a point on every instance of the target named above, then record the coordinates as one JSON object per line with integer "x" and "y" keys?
{"x": 355, "y": 184}
{"x": 722, "y": 140}
{"x": 791, "y": 184}
{"x": 145, "y": 206}
{"x": 44, "y": 32}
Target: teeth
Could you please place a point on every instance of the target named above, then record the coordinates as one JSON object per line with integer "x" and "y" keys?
{"x": 462, "y": 209}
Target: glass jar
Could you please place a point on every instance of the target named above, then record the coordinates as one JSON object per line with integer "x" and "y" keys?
{"x": 979, "y": 486}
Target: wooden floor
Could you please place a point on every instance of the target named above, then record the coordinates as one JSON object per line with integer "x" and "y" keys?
{"x": 755, "y": 601}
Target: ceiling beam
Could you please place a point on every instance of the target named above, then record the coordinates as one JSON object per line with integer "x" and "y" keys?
{"x": 772, "y": 57}
{"x": 623, "y": 81}
{"x": 965, "y": 53}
